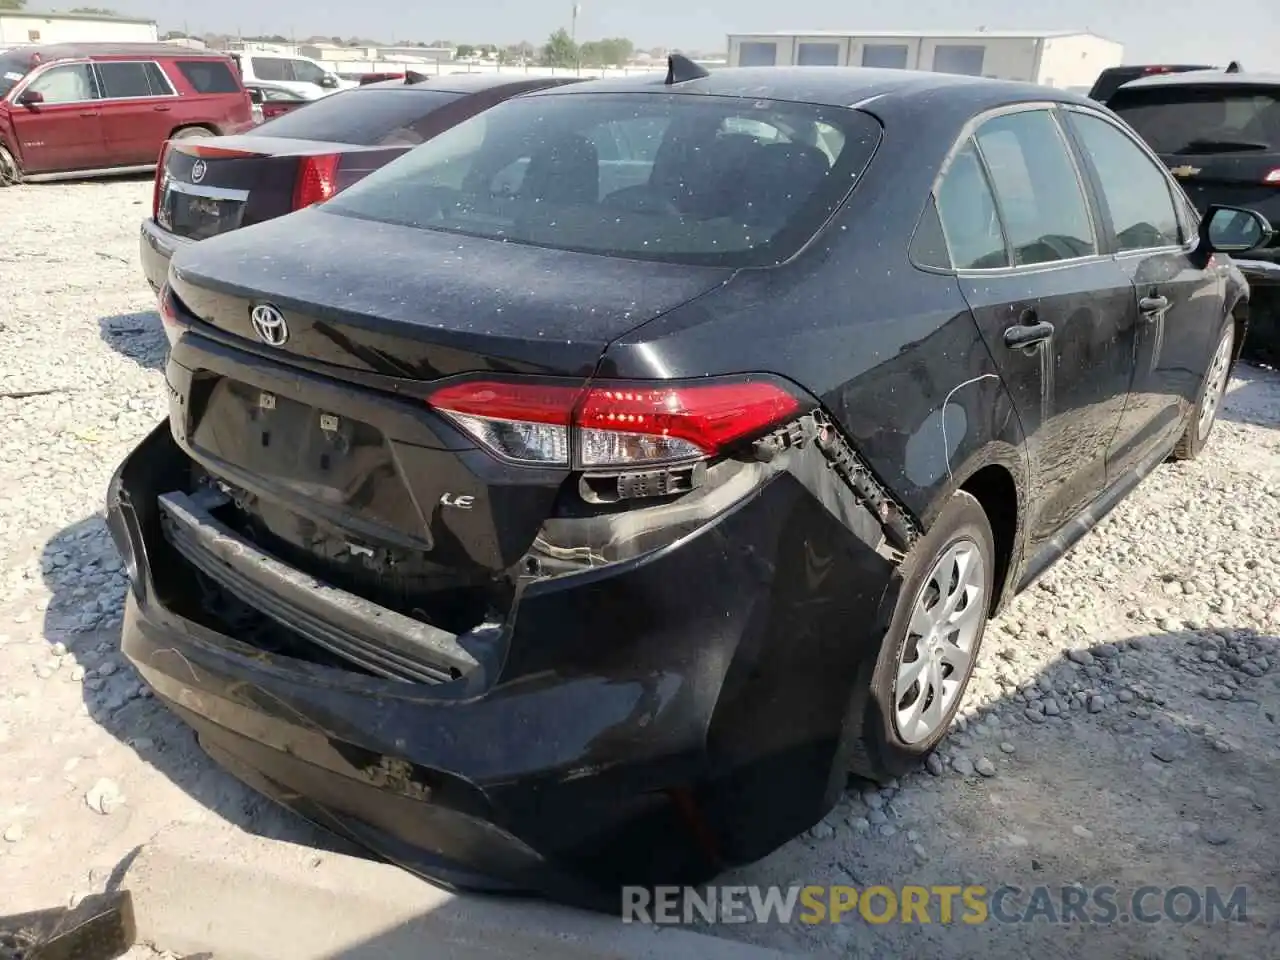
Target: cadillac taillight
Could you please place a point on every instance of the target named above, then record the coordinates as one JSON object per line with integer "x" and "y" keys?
{"x": 317, "y": 180}
{"x": 157, "y": 190}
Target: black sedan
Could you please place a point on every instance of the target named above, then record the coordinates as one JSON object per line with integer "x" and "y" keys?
{"x": 298, "y": 157}
{"x": 579, "y": 498}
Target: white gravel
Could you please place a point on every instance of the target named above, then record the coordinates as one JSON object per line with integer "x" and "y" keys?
{"x": 1122, "y": 728}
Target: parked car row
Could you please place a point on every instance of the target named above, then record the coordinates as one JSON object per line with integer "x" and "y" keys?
{"x": 575, "y": 498}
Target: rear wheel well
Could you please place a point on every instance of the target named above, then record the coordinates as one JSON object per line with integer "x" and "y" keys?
{"x": 994, "y": 489}
{"x": 193, "y": 129}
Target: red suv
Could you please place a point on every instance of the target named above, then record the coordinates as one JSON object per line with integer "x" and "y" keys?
{"x": 94, "y": 108}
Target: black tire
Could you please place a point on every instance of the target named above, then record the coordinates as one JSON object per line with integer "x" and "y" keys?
{"x": 1195, "y": 436}
{"x": 10, "y": 172}
{"x": 192, "y": 133}
{"x": 876, "y": 750}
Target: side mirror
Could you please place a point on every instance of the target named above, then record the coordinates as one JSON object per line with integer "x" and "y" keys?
{"x": 255, "y": 96}
{"x": 30, "y": 98}
{"x": 1233, "y": 230}
{"x": 328, "y": 81}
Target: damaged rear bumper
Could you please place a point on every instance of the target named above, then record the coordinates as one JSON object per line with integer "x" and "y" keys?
{"x": 653, "y": 720}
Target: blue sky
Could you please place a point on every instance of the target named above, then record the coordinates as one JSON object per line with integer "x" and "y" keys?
{"x": 1173, "y": 30}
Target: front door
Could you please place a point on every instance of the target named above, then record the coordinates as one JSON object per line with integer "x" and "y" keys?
{"x": 1179, "y": 303}
{"x": 1055, "y": 313}
{"x": 64, "y": 131}
{"x": 137, "y": 110}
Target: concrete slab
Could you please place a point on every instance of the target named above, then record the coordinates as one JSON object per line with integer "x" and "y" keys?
{"x": 271, "y": 900}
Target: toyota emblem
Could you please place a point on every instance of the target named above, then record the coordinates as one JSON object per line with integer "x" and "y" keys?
{"x": 198, "y": 170}
{"x": 268, "y": 324}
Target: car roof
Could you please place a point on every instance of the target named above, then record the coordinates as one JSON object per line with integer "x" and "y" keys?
{"x": 468, "y": 82}
{"x": 1199, "y": 78}
{"x": 73, "y": 51}
{"x": 828, "y": 86}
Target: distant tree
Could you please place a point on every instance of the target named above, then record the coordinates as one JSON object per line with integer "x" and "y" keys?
{"x": 465, "y": 50}
{"x": 560, "y": 50}
{"x": 610, "y": 52}
{"x": 12, "y": 4}
{"x": 441, "y": 43}
{"x": 94, "y": 11}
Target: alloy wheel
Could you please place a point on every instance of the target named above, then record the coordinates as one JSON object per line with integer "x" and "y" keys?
{"x": 1215, "y": 384}
{"x": 942, "y": 633}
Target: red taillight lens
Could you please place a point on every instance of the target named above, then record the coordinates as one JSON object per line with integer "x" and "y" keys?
{"x": 157, "y": 190}
{"x": 1273, "y": 177}
{"x": 613, "y": 424}
{"x": 317, "y": 180}
{"x": 169, "y": 314}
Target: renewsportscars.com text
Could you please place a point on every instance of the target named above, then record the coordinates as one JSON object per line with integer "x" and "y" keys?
{"x": 968, "y": 904}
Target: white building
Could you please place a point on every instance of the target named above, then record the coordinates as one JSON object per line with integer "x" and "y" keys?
{"x": 1052, "y": 58}
{"x": 20, "y": 28}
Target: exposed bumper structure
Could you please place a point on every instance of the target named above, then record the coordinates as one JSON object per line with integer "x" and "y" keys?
{"x": 654, "y": 720}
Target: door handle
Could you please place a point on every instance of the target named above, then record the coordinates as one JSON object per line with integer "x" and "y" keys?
{"x": 1028, "y": 334}
{"x": 162, "y": 108}
{"x": 1153, "y": 304}
{"x": 90, "y": 113}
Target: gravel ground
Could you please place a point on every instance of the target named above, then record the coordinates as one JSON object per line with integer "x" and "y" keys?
{"x": 1121, "y": 729}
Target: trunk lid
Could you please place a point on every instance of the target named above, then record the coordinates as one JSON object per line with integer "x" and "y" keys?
{"x": 422, "y": 304}
{"x": 211, "y": 186}
{"x": 327, "y": 467}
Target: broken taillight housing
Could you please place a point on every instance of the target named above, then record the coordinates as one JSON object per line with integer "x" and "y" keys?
{"x": 613, "y": 424}
{"x": 169, "y": 314}
{"x": 157, "y": 189}
{"x": 317, "y": 179}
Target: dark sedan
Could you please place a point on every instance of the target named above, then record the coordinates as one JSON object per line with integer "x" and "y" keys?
{"x": 207, "y": 187}
{"x": 579, "y": 498}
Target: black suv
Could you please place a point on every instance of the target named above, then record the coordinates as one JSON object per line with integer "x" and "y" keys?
{"x": 1219, "y": 133}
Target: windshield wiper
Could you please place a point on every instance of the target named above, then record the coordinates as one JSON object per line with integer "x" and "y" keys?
{"x": 1214, "y": 146}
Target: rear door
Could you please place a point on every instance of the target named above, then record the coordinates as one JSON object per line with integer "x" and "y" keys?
{"x": 1179, "y": 303}
{"x": 1221, "y": 139}
{"x": 64, "y": 131}
{"x": 1055, "y": 311}
{"x": 137, "y": 109}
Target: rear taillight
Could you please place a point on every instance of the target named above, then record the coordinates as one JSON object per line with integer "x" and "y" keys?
{"x": 169, "y": 314}
{"x": 1273, "y": 177}
{"x": 157, "y": 191}
{"x": 613, "y": 425}
{"x": 317, "y": 180}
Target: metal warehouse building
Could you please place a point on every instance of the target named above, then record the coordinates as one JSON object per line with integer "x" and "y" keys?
{"x": 18, "y": 29}
{"x": 1052, "y": 58}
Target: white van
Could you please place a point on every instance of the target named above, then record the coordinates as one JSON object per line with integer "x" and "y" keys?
{"x": 300, "y": 74}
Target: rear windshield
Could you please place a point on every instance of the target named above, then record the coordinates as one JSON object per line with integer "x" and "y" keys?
{"x": 13, "y": 67}
{"x": 1203, "y": 119}
{"x": 690, "y": 179}
{"x": 373, "y": 118}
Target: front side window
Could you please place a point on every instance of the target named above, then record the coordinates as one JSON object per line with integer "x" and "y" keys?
{"x": 714, "y": 180}
{"x": 307, "y": 72}
{"x": 1041, "y": 200}
{"x": 1135, "y": 190}
{"x": 69, "y": 84}
{"x": 970, "y": 220}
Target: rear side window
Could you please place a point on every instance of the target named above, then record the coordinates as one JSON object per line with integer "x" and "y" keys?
{"x": 271, "y": 68}
{"x": 1205, "y": 119}
{"x": 367, "y": 118}
{"x": 209, "y": 76}
{"x": 1134, "y": 189}
{"x": 705, "y": 180}
{"x": 967, "y": 209}
{"x": 1042, "y": 202}
{"x": 122, "y": 81}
